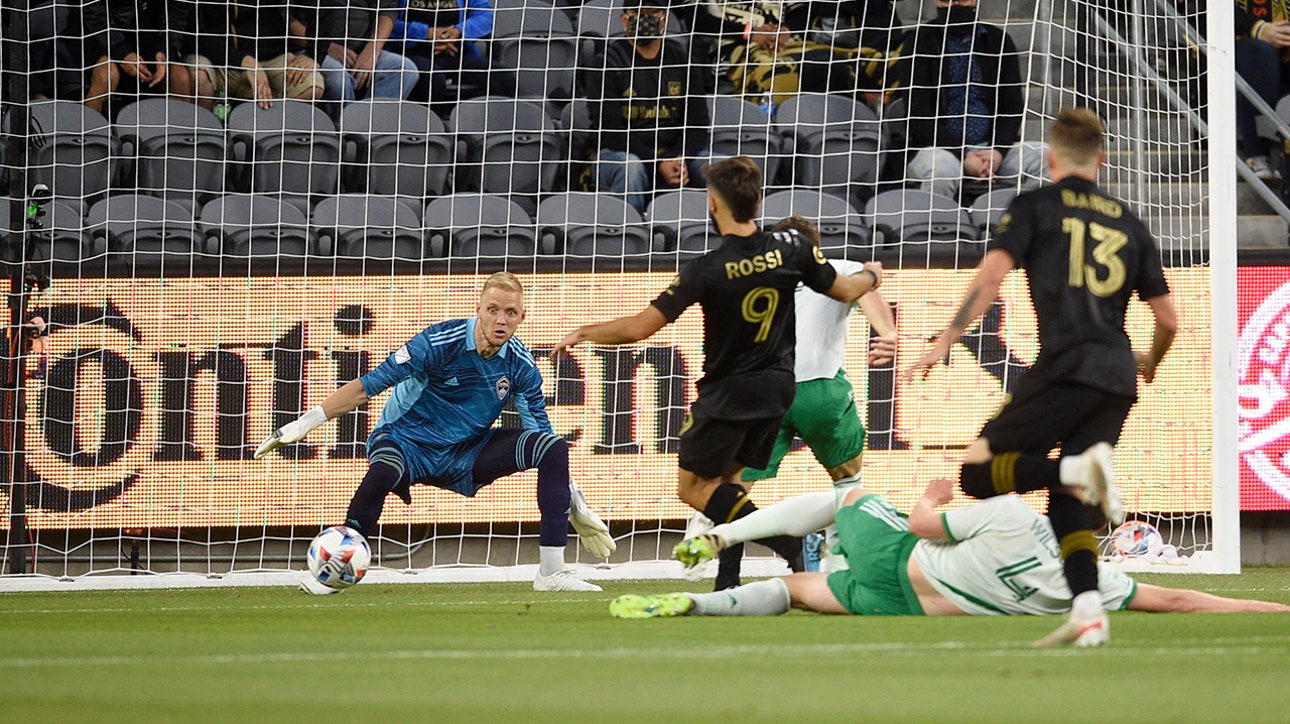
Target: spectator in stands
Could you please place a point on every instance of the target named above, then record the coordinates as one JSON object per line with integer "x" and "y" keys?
{"x": 760, "y": 55}
{"x": 1262, "y": 51}
{"x": 136, "y": 45}
{"x": 654, "y": 124}
{"x": 870, "y": 29}
{"x": 966, "y": 104}
{"x": 45, "y": 22}
{"x": 243, "y": 52}
{"x": 442, "y": 38}
{"x": 349, "y": 44}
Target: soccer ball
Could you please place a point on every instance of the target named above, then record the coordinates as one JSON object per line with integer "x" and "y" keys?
{"x": 1137, "y": 538}
{"x": 339, "y": 557}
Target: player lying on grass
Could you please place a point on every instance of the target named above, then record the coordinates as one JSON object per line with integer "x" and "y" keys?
{"x": 996, "y": 557}
{"x": 450, "y": 383}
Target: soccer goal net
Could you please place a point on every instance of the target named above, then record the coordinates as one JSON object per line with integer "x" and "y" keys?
{"x": 216, "y": 213}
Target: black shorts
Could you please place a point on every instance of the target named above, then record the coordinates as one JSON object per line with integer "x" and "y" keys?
{"x": 1040, "y": 415}
{"x": 710, "y": 447}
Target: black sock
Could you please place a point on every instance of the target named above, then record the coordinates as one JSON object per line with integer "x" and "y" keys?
{"x": 365, "y": 507}
{"x": 1074, "y": 533}
{"x": 728, "y": 562}
{"x": 728, "y": 502}
{"x": 1009, "y": 472}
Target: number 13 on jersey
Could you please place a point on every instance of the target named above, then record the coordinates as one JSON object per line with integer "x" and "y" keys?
{"x": 1109, "y": 242}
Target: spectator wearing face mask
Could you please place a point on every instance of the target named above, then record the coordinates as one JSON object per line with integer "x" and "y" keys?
{"x": 966, "y": 104}
{"x": 648, "y": 105}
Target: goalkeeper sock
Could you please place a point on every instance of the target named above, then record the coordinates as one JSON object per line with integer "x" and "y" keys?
{"x": 553, "y": 495}
{"x": 763, "y": 598}
{"x": 368, "y": 501}
{"x": 550, "y": 560}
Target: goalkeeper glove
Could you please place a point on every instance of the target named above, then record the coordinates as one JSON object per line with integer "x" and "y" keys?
{"x": 592, "y": 531}
{"x": 292, "y": 431}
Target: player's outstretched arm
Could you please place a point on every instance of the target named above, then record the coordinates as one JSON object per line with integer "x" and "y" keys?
{"x": 623, "y": 330}
{"x": 851, "y": 287}
{"x": 1185, "y": 600}
{"x": 980, "y": 295}
{"x": 1166, "y": 327}
{"x": 348, "y": 397}
{"x": 882, "y": 348}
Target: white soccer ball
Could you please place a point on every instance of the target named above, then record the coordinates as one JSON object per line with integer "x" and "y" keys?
{"x": 1137, "y": 538}
{"x": 339, "y": 557}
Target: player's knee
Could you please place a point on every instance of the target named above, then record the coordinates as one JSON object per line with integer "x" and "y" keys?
{"x": 552, "y": 450}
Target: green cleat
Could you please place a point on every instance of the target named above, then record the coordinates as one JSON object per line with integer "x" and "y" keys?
{"x": 650, "y": 606}
{"x": 698, "y": 550}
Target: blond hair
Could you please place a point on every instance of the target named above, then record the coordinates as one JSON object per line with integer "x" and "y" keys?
{"x": 1076, "y": 138}
{"x": 801, "y": 225}
{"x": 503, "y": 280}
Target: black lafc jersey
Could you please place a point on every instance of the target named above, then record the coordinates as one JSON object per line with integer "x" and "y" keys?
{"x": 1085, "y": 254}
{"x": 745, "y": 288}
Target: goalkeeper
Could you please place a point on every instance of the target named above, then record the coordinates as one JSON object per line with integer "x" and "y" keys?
{"x": 996, "y": 557}
{"x": 450, "y": 383}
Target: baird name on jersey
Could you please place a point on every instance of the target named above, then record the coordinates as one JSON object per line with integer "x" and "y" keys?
{"x": 1100, "y": 204}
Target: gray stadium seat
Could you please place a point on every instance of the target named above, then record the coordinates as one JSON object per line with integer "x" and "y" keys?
{"x": 179, "y": 149}
{"x": 291, "y": 147}
{"x": 479, "y": 226}
{"x": 146, "y": 230}
{"x": 740, "y": 128}
{"x": 844, "y": 233}
{"x": 909, "y": 217}
{"x": 581, "y": 138}
{"x": 680, "y": 223}
{"x": 505, "y": 146}
{"x": 72, "y": 150}
{"x": 988, "y": 208}
{"x": 370, "y": 227}
{"x": 539, "y": 42}
{"x": 395, "y": 147}
{"x": 836, "y": 142}
{"x": 581, "y": 224}
{"x": 257, "y": 225}
{"x": 62, "y": 234}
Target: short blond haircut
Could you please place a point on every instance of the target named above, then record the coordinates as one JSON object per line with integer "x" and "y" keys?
{"x": 503, "y": 280}
{"x": 1076, "y": 137}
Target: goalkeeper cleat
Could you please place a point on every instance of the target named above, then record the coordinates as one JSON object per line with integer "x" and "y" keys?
{"x": 651, "y": 606}
{"x": 694, "y": 552}
{"x": 563, "y": 580}
{"x": 1080, "y": 632}
{"x": 592, "y": 531}
{"x": 310, "y": 585}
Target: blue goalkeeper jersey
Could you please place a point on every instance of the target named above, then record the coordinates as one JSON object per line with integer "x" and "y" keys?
{"x": 445, "y": 393}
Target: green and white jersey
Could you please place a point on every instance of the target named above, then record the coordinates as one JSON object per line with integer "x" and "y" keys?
{"x": 1002, "y": 558}
{"x": 822, "y": 329}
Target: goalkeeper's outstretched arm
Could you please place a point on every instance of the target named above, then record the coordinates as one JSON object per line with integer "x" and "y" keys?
{"x": 346, "y": 398}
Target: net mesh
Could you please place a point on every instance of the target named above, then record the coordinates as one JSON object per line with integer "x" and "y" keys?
{"x": 221, "y": 247}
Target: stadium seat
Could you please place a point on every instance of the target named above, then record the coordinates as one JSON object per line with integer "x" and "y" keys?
{"x": 580, "y": 224}
{"x": 907, "y": 217}
{"x": 539, "y": 42}
{"x": 988, "y": 208}
{"x": 62, "y": 235}
{"x": 505, "y": 146}
{"x": 257, "y": 225}
{"x": 580, "y": 137}
{"x": 178, "y": 150}
{"x": 844, "y": 233}
{"x": 394, "y": 147}
{"x": 740, "y": 128}
{"x": 479, "y": 226}
{"x": 145, "y": 230}
{"x": 680, "y": 223}
{"x": 291, "y": 147}
{"x": 836, "y": 143}
{"x": 370, "y": 227}
{"x": 72, "y": 150}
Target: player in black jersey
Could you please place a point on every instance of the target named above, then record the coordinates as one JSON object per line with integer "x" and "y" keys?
{"x": 1085, "y": 254}
{"x": 745, "y": 288}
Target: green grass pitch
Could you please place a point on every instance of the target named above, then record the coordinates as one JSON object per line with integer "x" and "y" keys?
{"x": 504, "y": 653}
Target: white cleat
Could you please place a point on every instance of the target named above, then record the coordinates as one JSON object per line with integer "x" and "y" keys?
{"x": 563, "y": 580}
{"x": 1101, "y": 478}
{"x": 699, "y": 525}
{"x": 1080, "y": 632}
{"x": 310, "y": 585}
{"x": 592, "y": 531}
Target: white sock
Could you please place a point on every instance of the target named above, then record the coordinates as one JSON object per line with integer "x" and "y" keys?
{"x": 1071, "y": 469}
{"x": 794, "y": 516}
{"x": 1087, "y": 605}
{"x": 550, "y": 559}
{"x": 763, "y": 598}
{"x": 843, "y": 486}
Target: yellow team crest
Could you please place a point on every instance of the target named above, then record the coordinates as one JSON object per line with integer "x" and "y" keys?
{"x": 674, "y": 88}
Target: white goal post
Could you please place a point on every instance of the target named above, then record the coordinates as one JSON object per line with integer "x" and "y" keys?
{"x": 207, "y": 276}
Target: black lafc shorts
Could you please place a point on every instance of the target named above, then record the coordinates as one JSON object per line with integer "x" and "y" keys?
{"x": 1040, "y": 415}
{"x": 710, "y": 447}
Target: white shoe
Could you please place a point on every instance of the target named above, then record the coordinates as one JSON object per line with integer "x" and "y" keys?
{"x": 310, "y": 585}
{"x": 1262, "y": 168}
{"x": 699, "y": 525}
{"x": 1097, "y": 481}
{"x": 1080, "y": 632}
{"x": 563, "y": 580}
{"x": 592, "y": 531}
